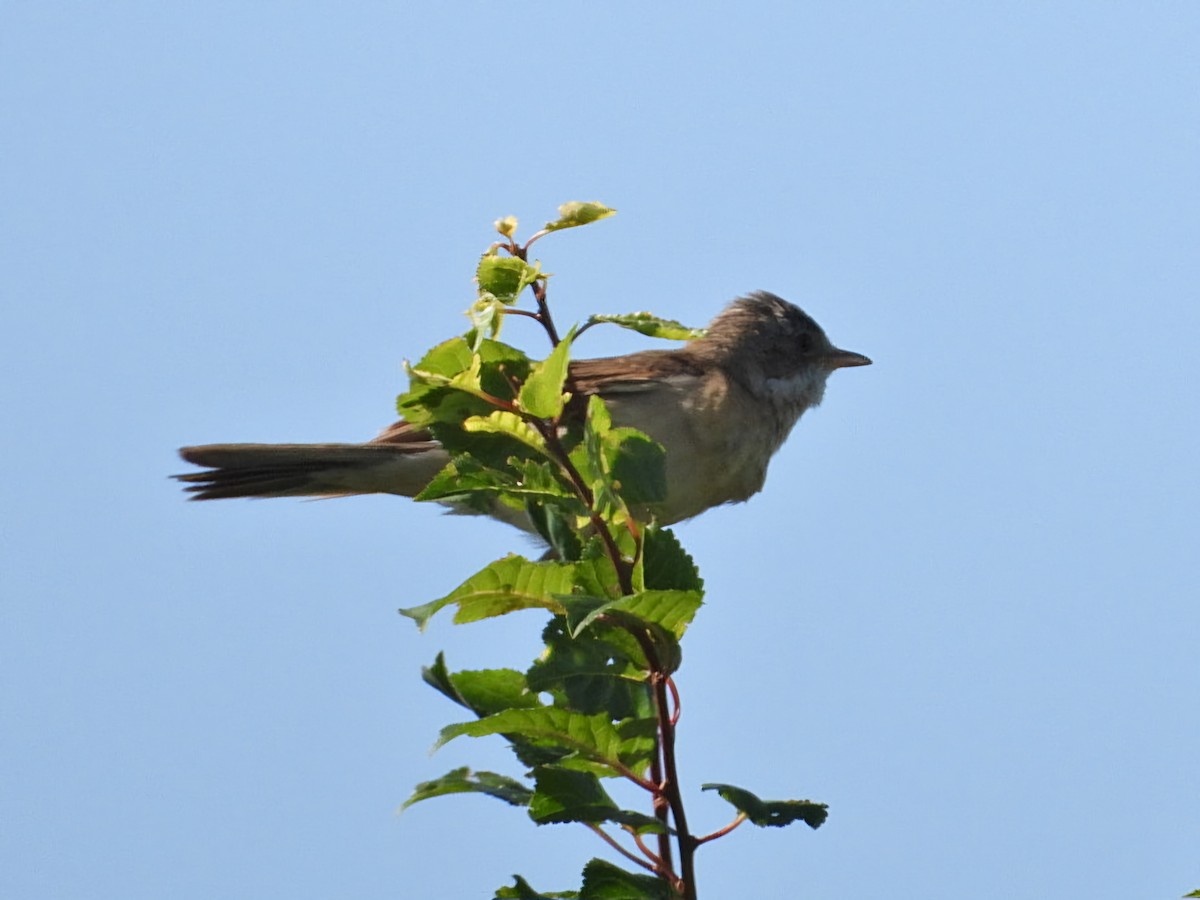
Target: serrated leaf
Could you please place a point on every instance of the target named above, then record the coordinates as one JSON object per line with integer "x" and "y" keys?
{"x": 773, "y": 813}
{"x": 591, "y": 738}
{"x": 596, "y": 574}
{"x": 553, "y": 521}
{"x": 604, "y": 672}
{"x": 464, "y": 781}
{"x": 599, "y": 419}
{"x": 508, "y": 424}
{"x": 504, "y": 586}
{"x": 576, "y": 213}
{"x": 665, "y": 565}
{"x": 447, "y": 358}
{"x": 670, "y": 610}
{"x": 587, "y": 614}
{"x": 650, "y": 325}
{"x": 465, "y": 480}
{"x": 452, "y": 383}
{"x": 520, "y": 890}
{"x": 462, "y": 476}
{"x": 437, "y": 677}
{"x": 591, "y": 460}
{"x": 488, "y": 691}
{"x": 505, "y": 277}
{"x": 542, "y": 393}
{"x": 637, "y": 466}
{"x": 604, "y": 881}
{"x": 539, "y": 478}
{"x": 565, "y": 795}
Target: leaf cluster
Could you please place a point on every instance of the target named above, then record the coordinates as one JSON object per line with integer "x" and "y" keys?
{"x": 620, "y": 592}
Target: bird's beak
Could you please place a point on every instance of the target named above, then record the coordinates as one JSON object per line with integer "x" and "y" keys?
{"x": 840, "y": 359}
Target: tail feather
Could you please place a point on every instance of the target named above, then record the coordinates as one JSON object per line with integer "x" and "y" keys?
{"x": 310, "y": 470}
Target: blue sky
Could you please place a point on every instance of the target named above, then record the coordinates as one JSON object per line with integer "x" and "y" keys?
{"x": 963, "y": 613}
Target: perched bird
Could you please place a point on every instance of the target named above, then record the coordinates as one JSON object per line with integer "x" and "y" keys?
{"x": 721, "y": 405}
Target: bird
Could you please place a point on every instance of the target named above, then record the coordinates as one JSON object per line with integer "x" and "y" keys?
{"x": 721, "y": 405}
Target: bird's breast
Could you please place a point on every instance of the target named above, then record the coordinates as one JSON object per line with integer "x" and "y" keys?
{"x": 717, "y": 444}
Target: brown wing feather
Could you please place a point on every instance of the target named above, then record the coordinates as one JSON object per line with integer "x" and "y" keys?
{"x": 594, "y": 376}
{"x": 402, "y": 432}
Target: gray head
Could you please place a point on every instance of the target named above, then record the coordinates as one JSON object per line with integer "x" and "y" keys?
{"x": 778, "y": 354}
{"x": 777, "y": 339}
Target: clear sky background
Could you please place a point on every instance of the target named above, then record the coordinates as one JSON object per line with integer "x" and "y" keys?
{"x": 964, "y": 611}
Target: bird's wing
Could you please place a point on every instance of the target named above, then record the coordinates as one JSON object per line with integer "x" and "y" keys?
{"x": 630, "y": 374}
{"x": 412, "y": 437}
{"x": 608, "y": 376}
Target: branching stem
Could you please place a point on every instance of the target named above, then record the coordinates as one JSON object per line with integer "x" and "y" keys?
{"x": 611, "y": 841}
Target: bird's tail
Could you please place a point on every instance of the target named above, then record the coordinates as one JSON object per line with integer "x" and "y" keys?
{"x": 311, "y": 470}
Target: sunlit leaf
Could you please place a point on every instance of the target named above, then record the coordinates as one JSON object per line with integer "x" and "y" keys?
{"x": 505, "y": 277}
{"x": 542, "y": 393}
{"x": 508, "y": 424}
{"x": 671, "y": 610}
{"x": 592, "y": 738}
{"x": 576, "y": 213}
{"x": 507, "y": 585}
{"x": 649, "y": 325}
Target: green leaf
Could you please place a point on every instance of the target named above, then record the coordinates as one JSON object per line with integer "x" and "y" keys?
{"x": 489, "y": 691}
{"x": 603, "y": 672}
{"x": 589, "y": 614}
{"x": 463, "y": 476}
{"x": 1192, "y": 894}
{"x": 509, "y": 424}
{"x": 521, "y": 890}
{"x": 636, "y": 464}
{"x": 555, "y": 523}
{"x": 776, "y": 813}
{"x": 452, "y": 383}
{"x": 596, "y": 574}
{"x": 591, "y": 738}
{"x": 670, "y": 610}
{"x": 650, "y": 325}
{"x": 464, "y": 781}
{"x": 665, "y": 564}
{"x": 604, "y": 881}
{"x": 486, "y": 315}
{"x": 591, "y": 460}
{"x": 437, "y": 676}
{"x": 504, "y": 277}
{"x": 504, "y": 586}
{"x": 542, "y": 393}
{"x": 565, "y": 795}
{"x": 576, "y": 213}
{"x": 523, "y": 481}
{"x": 447, "y": 358}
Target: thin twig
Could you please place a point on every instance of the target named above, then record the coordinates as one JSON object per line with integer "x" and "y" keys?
{"x": 608, "y": 839}
{"x": 650, "y": 854}
{"x": 676, "y": 706}
{"x": 721, "y": 832}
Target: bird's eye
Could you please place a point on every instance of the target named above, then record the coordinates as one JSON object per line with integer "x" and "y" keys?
{"x": 805, "y": 342}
